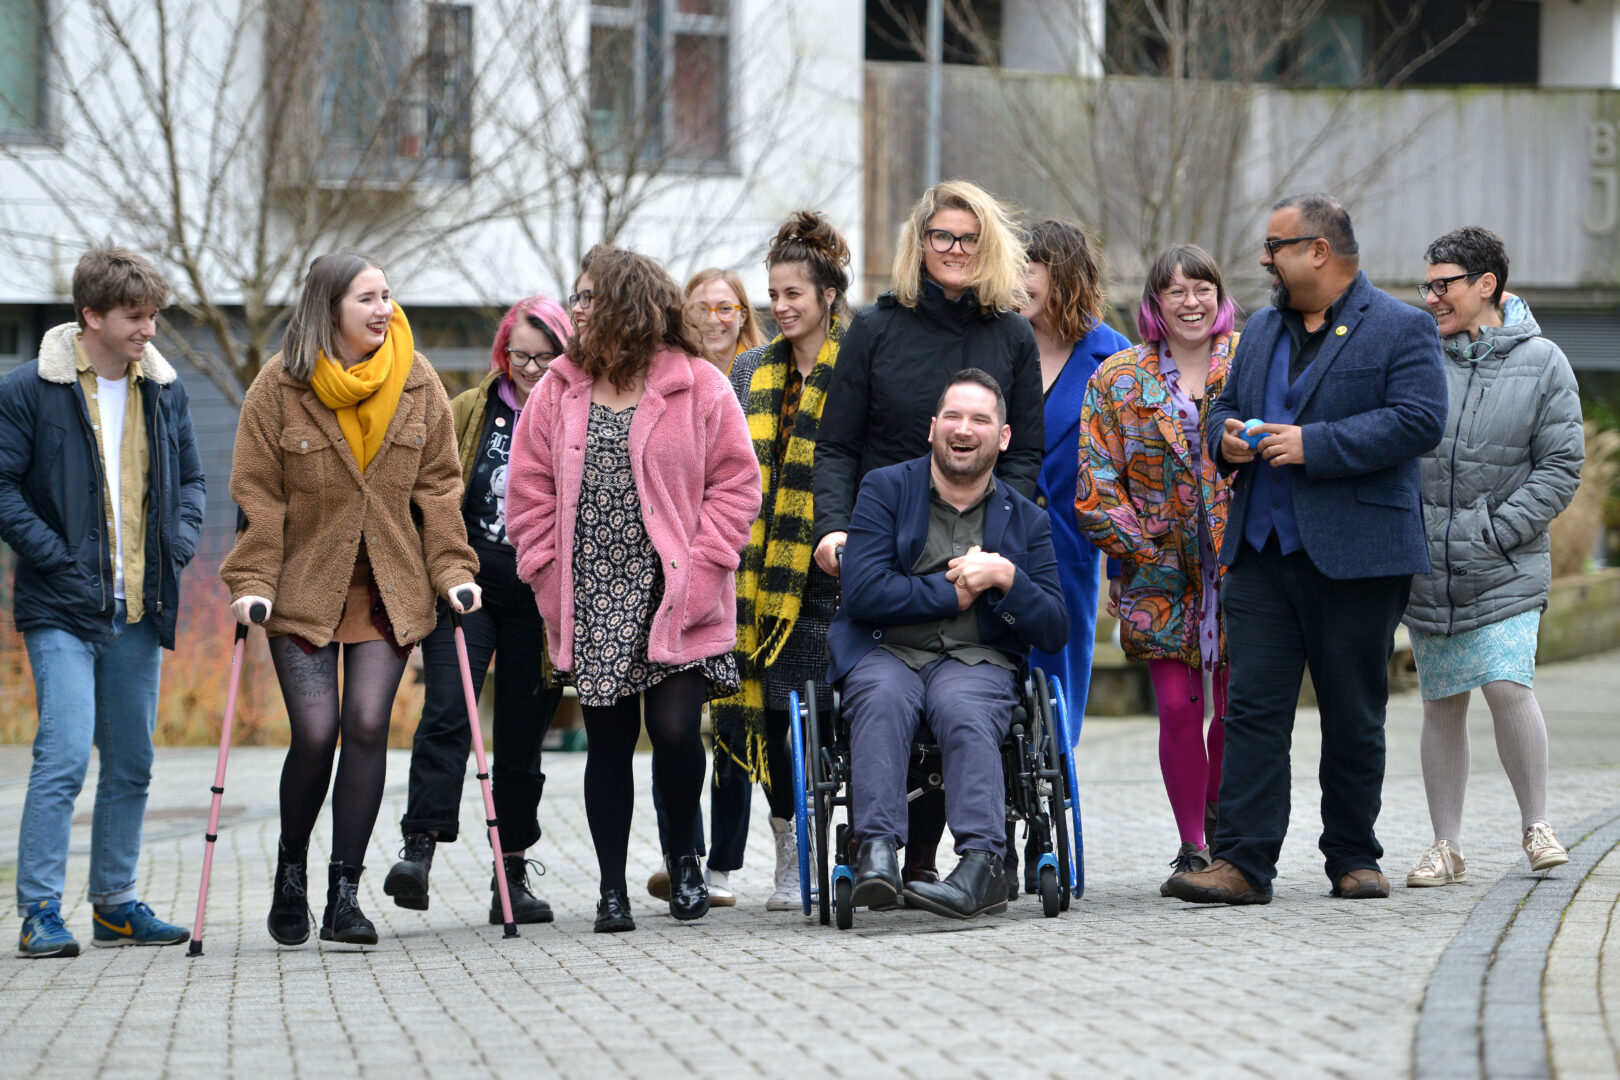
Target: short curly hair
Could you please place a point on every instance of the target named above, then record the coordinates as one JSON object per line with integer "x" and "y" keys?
{"x": 109, "y": 277}
{"x": 637, "y": 310}
{"x": 1477, "y": 250}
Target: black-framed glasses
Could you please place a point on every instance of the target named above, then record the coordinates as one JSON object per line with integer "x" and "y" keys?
{"x": 1273, "y": 245}
{"x": 582, "y": 299}
{"x": 942, "y": 240}
{"x": 1438, "y": 286}
{"x": 521, "y": 359}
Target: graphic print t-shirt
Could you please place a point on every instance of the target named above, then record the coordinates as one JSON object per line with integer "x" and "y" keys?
{"x": 485, "y": 508}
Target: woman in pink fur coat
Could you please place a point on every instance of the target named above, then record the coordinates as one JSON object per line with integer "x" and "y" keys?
{"x": 631, "y": 490}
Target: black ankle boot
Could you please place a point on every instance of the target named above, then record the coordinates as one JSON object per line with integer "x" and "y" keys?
{"x": 613, "y": 912}
{"x": 688, "y": 895}
{"x": 343, "y": 921}
{"x": 407, "y": 880}
{"x": 289, "y": 899}
{"x": 976, "y": 887}
{"x": 526, "y": 907}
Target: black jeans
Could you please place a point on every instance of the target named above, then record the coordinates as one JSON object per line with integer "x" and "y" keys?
{"x": 1282, "y": 616}
{"x": 508, "y": 624}
{"x": 731, "y": 797}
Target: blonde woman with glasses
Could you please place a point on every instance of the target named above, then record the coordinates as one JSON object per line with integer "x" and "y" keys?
{"x": 958, "y": 287}
{"x": 717, "y": 308}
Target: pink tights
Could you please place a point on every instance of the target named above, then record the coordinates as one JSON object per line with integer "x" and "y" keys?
{"x": 1192, "y": 771}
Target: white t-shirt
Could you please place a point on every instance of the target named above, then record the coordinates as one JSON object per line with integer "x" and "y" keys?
{"x": 111, "y": 400}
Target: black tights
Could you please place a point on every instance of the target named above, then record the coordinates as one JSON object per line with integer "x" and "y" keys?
{"x": 309, "y": 685}
{"x": 674, "y": 711}
{"x": 779, "y": 761}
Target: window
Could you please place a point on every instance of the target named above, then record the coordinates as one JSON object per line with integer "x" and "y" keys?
{"x": 384, "y": 118}
{"x": 659, "y": 79}
{"x": 22, "y": 68}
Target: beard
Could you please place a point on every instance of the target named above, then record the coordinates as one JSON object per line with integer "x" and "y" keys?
{"x": 1280, "y": 296}
{"x": 975, "y": 468}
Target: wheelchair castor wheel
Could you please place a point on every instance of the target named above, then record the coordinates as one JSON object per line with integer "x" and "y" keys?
{"x": 1051, "y": 902}
{"x": 843, "y": 910}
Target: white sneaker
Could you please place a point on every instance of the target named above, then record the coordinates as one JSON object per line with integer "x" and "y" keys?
{"x": 1543, "y": 848}
{"x": 1441, "y": 864}
{"x": 719, "y": 883}
{"x": 786, "y": 897}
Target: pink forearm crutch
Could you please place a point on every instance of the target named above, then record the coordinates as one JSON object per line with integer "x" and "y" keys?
{"x": 258, "y": 614}
{"x": 465, "y": 598}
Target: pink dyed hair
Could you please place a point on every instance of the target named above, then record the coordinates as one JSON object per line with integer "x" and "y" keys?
{"x": 1196, "y": 264}
{"x": 541, "y": 311}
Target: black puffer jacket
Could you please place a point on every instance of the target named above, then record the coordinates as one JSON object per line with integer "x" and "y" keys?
{"x": 51, "y": 503}
{"x": 893, "y": 364}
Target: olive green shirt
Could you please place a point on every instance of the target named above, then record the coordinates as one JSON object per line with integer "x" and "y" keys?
{"x": 950, "y": 533}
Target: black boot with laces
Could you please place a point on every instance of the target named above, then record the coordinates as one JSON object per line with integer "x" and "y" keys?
{"x": 526, "y": 907}
{"x": 407, "y": 880}
{"x": 343, "y": 921}
{"x": 289, "y": 899}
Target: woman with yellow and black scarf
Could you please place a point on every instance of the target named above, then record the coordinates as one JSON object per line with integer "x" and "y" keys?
{"x": 346, "y": 471}
{"x": 784, "y": 601}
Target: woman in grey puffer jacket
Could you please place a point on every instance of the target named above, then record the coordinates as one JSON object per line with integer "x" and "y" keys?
{"x": 1509, "y": 462}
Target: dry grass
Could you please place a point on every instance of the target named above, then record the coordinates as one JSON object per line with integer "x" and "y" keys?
{"x": 192, "y": 702}
{"x": 1575, "y": 532}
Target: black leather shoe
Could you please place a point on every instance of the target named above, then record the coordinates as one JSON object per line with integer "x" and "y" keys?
{"x": 289, "y": 900}
{"x": 877, "y": 875}
{"x": 343, "y": 921}
{"x": 526, "y": 907}
{"x": 407, "y": 880}
{"x": 978, "y": 886}
{"x": 688, "y": 895}
{"x": 613, "y": 912}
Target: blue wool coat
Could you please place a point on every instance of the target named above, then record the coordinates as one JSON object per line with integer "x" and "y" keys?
{"x": 1371, "y": 404}
{"x": 1055, "y": 489}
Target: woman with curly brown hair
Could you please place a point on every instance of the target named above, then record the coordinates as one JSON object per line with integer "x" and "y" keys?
{"x": 631, "y": 491}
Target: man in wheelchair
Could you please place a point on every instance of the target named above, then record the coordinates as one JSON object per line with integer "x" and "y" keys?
{"x": 949, "y": 580}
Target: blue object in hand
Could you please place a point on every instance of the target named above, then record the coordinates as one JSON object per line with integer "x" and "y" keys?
{"x": 1251, "y": 436}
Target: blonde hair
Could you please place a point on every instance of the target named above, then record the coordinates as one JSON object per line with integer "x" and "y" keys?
{"x": 998, "y": 273}
{"x": 749, "y": 336}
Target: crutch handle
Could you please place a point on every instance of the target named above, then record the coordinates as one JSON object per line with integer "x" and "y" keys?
{"x": 463, "y": 597}
{"x": 258, "y": 614}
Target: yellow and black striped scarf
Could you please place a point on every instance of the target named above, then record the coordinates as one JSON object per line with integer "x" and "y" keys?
{"x": 775, "y": 566}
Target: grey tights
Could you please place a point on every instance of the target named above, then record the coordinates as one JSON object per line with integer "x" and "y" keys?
{"x": 1521, "y": 743}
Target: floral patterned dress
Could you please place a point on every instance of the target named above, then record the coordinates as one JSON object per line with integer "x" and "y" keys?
{"x": 618, "y": 579}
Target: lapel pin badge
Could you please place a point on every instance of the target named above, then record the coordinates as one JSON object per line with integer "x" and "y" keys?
{"x": 1341, "y": 330}
{"x": 500, "y": 421}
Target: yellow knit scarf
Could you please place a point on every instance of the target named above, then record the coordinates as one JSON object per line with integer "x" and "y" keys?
{"x": 365, "y": 396}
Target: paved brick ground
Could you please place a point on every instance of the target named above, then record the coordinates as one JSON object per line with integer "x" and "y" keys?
{"x": 1126, "y": 983}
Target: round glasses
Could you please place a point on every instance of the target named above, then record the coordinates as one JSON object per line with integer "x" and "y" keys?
{"x": 520, "y": 359}
{"x": 724, "y": 312}
{"x": 582, "y": 299}
{"x": 942, "y": 240}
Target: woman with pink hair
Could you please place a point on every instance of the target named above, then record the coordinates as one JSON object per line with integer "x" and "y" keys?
{"x": 532, "y": 334}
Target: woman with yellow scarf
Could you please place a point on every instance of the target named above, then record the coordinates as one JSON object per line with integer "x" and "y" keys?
{"x": 347, "y": 475}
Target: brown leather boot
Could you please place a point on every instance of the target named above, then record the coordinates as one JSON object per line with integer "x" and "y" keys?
{"x": 1362, "y": 885}
{"x": 1222, "y": 883}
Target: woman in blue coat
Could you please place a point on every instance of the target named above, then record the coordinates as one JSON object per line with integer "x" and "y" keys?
{"x": 1066, "y": 306}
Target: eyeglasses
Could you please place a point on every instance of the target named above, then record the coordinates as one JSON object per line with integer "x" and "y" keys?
{"x": 724, "y": 312}
{"x": 582, "y": 299}
{"x": 1203, "y": 294}
{"x": 942, "y": 240}
{"x": 1438, "y": 286}
{"x": 1273, "y": 245}
{"x": 521, "y": 359}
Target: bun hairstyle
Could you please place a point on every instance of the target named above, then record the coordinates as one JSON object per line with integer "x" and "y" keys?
{"x": 810, "y": 239}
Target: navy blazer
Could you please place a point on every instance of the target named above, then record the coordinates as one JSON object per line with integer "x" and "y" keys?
{"x": 1373, "y": 401}
{"x": 887, "y": 532}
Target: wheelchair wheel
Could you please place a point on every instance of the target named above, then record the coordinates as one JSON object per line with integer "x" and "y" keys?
{"x": 802, "y": 788}
{"x": 1051, "y": 903}
{"x": 842, "y": 888}
{"x": 820, "y": 802}
{"x": 1068, "y": 738}
{"x": 1054, "y": 764}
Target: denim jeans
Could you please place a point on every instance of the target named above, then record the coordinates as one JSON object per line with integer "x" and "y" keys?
{"x": 100, "y": 695}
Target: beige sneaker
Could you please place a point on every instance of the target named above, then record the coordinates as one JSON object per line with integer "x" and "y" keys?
{"x": 1440, "y": 865}
{"x": 1543, "y": 848}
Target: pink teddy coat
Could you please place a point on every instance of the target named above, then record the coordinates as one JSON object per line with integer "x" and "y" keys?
{"x": 699, "y": 484}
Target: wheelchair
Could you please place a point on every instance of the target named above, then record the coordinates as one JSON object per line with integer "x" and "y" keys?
{"x": 1042, "y": 792}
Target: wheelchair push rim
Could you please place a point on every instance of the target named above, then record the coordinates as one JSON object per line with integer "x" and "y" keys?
{"x": 1068, "y": 738}
{"x": 801, "y": 809}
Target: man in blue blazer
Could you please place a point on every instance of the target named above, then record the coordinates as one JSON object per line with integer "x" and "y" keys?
{"x": 949, "y": 579}
{"x": 1324, "y": 534}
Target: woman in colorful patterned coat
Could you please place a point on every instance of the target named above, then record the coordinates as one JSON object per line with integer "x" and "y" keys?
{"x": 1151, "y": 499}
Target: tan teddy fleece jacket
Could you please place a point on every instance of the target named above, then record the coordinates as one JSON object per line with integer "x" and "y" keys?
{"x": 309, "y": 507}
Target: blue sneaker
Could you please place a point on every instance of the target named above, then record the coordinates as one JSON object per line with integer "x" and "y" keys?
{"x": 134, "y": 924}
{"x": 43, "y": 933}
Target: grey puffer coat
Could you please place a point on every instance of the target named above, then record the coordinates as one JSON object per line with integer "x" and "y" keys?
{"x": 1508, "y": 464}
